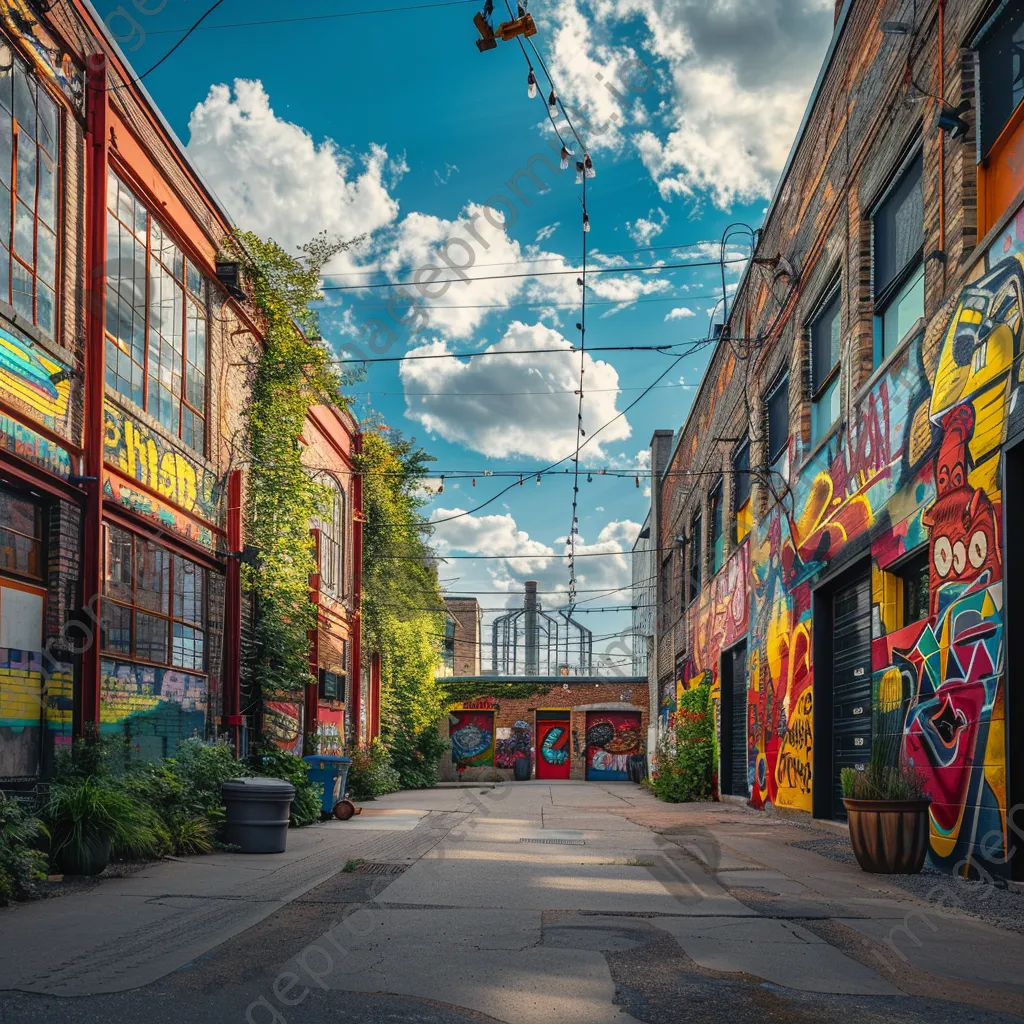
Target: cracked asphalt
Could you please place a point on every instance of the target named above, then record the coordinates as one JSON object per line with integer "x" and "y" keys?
{"x": 626, "y": 911}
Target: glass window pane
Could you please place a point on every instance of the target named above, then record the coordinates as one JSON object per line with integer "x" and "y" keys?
{"x": 6, "y": 147}
{"x": 825, "y": 335}
{"x": 189, "y": 581}
{"x": 47, "y": 193}
{"x": 24, "y": 99}
{"x": 21, "y": 281}
{"x": 189, "y": 647}
{"x": 902, "y": 313}
{"x": 26, "y": 187}
{"x": 45, "y": 315}
{"x": 116, "y": 631}
{"x": 117, "y": 564}
{"x": 898, "y": 228}
{"x": 24, "y": 232}
{"x": 47, "y": 123}
{"x": 5, "y": 215}
{"x": 5, "y": 274}
{"x": 151, "y": 637}
{"x": 46, "y": 255}
{"x": 153, "y": 579}
{"x": 825, "y": 411}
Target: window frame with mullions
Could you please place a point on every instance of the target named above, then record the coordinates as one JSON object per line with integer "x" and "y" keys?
{"x": 716, "y": 525}
{"x": 992, "y": 121}
{"x": 779, "y": 381}
{"x": 36, "y": 547}
{"x": 113, "y": 600}
{"x": 17, "y": 130}
{"x": 332, "y": 547}
{"x": 167, "y": 264}
{"x": 904, "y": 281}
{"x": 742, "y": 493}
{"x": 821, "y": 390}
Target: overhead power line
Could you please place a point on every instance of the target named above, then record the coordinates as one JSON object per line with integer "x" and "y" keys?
{"x": 511, "y": 352}
{"x": 313, "y": 17}
{"x": 653, "y": 269}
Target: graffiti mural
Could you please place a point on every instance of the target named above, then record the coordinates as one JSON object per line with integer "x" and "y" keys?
{"x": 145, "y": 457}
{"x": 162, "y": 515}
{"x": 17, "y": 439}
{"x": 612, "y": 738}
{"x": 156, "y": 707}
{"x": 282, "y": 722}
{"x": 472, "y": 736}
{"x": 918, "y": 464}
{"x": 49, "y": 56}
{"x": 33, "y": 382}
{"x": 330, "y": 728}
{"x": 515, "y": 743}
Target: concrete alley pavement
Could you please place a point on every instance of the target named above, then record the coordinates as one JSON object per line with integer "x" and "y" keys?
{"x": 574, "y": 903}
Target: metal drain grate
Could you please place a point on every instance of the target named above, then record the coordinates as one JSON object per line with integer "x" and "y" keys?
{"x": 557, "y": 842}
{"x": 380, "y": 869}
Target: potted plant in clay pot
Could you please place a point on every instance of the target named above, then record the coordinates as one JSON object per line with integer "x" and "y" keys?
{"x": 887, "y": 804}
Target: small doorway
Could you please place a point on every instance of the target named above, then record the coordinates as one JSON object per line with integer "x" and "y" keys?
{"x": 553, "y": 744}
{"x": 735, "y": 770}
{"x": 612, "y": 738}
{"x": 851, "y": 683}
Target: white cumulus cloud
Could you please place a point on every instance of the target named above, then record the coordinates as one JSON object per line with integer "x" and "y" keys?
{"x": 483, "y": 409}
{"x": 679, "y": 313}
{"x": 276, "y": 180}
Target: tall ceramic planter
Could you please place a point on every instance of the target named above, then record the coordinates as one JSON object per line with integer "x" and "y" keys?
{"x": 889, "y": 836}
{"x": 89, "y": 857}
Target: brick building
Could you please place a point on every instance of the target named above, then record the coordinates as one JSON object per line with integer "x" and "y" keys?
{"x": 832, "y": 553}
{"x": 463, "y": 640}
{"x": 574, "y": 727}
{"x": 124, "y": 347}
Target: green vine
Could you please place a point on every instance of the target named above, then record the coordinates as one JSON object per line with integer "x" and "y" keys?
{"x": 499, "y": 690}
{"x": 292, "y": 373}
{"x": 403, "y": 611}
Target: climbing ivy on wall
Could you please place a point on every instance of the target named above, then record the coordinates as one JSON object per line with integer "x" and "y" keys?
{"x": 293, "y": 371}
{"x": 403, "y": 610}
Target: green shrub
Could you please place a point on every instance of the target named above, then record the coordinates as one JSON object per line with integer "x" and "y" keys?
{"x": 22, "y": 863}
{"x": 686, "y": 761}
{"x": 417, "y": 759}
{"x": 372, "y": 774}
{"x": 274, "y": 763}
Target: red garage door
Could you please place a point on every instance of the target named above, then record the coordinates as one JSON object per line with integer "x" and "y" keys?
{"x": 553, "y": 744}
{"x": 612, "y": 738}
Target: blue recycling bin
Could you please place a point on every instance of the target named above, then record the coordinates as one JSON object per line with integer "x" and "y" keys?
{"x": 331, "y": 771}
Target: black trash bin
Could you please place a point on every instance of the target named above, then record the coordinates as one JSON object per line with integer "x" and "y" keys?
{"x": 521, "y": 769}
{"x": 257, "y": 811}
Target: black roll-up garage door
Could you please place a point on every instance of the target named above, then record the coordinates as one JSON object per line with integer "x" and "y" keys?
{"x": 851, "y": 683}
{"x": 734, "y": 722}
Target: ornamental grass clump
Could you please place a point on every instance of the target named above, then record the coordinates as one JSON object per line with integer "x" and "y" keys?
{"x": 887, "y": 774}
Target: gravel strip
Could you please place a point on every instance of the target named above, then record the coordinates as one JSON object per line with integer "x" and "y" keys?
{"x": 991, "y": 903}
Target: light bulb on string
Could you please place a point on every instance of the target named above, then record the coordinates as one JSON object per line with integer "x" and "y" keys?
{"x": 553, "y": 103}
{"x": 588, "y": 166}
{"x": 563, "y": 160}
{"x": 590, "y": 478}
{"x": 538, "y": 479}
{"x": 531, "y": 84}
{"x": 579, "y": 172}
{"x": 440, "y": 489}
{"x": 586, "y": 222}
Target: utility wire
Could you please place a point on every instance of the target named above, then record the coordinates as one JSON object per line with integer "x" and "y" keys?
{"x": 189, "y": 32}
{"x": 664, "y": 349}
{"x": 314, "y": 17}
{"x": 652, "y": 269}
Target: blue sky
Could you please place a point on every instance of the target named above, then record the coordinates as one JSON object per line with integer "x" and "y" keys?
{"x": 394, "y": 126}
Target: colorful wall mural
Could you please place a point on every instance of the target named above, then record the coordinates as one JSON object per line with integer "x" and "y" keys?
{"x": 48, "y": 55}
{"x": 163, "y": 516}
{"x": 612, "y": 738}
{"x": 513, "y": 742}
{"x": 157, "y": 707}
{"x": 918, "y": 465}
{"x": 472, "y": 736}
{"x": 17, "y": 439}
{"x": 146, "y": 457}
{"x": 282, "y": 723}
{"x": 330, "y": 728}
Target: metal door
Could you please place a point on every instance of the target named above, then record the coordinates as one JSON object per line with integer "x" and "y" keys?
{"x": 851, "y": 683}
{"x": 734, "y": 722}
{"x": 553, "y": 748}
{"x": 612, "y": 738}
